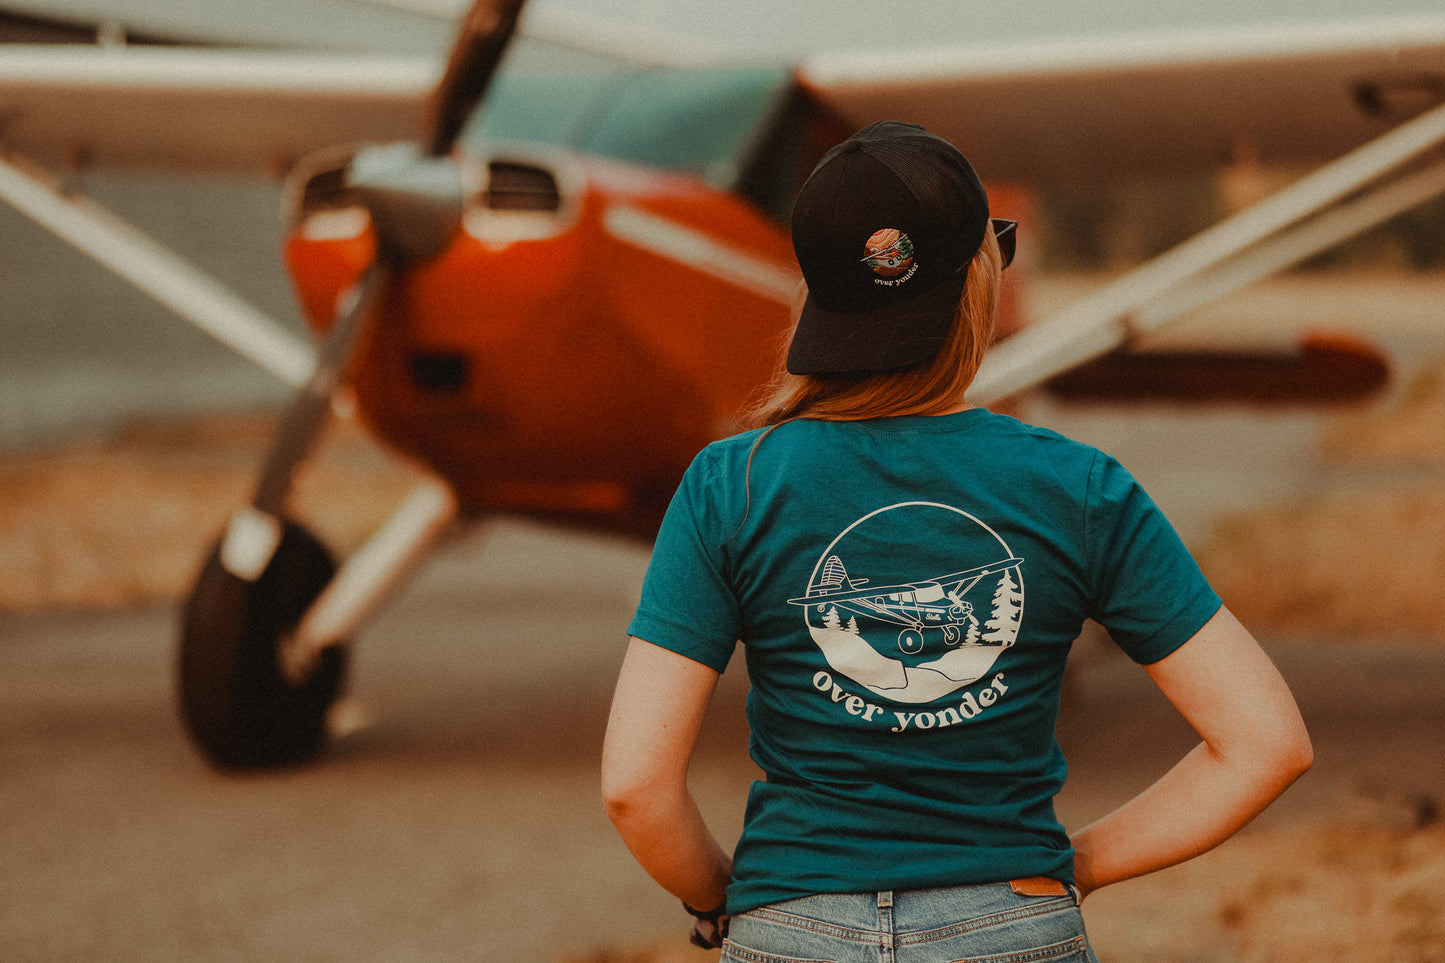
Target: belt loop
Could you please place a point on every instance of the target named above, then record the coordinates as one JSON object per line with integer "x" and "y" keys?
{"x": 887, "y": 937}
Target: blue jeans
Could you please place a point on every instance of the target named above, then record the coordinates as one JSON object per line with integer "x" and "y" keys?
{"x": 988, "y": 923}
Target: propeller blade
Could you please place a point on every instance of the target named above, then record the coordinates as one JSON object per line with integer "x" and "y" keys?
{"x": 485, "y": 33}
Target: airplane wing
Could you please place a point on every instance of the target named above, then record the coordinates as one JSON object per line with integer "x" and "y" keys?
{"x": 412, "y": 26}
{"x": 1029, "y": 114}
{"x": 1111, "y": 107}
{"x": 977, "y": 572}
{"x": 1357, "y": 103}
{"x": 215, "y": 110}
{"x": 247, "y": 106}
{"x": 861, "y": 593}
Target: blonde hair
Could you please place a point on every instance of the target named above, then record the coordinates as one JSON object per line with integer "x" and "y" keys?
{"x": 922, "y": 390}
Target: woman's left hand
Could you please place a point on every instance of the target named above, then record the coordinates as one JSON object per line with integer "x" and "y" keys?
{"x": 709, "y": 934}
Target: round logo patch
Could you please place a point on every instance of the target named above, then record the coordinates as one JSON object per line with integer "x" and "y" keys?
{"x": 889, "y": 253}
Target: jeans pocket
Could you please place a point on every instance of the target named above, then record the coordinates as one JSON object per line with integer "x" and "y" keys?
{"x": 1073, "y": 950}
{"x": 742, "y": 954}
{"x": 789, "y": 933}
{"x": 1014, "y": 929}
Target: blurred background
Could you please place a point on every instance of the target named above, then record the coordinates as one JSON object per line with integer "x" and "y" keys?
{"x": 458, "y": 816}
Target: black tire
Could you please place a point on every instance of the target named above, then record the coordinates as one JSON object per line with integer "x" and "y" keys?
{"x": 238, "y": 707}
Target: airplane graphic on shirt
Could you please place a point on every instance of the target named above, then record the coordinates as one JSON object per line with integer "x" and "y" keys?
{"x": 914, "y": 639}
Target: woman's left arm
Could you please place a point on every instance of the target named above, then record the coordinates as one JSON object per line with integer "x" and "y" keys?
{"x": 657, "y": 712}
{"x": 1254, "y": 746}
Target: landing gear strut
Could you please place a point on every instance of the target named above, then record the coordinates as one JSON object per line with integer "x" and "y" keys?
{"x": 262, "y": 654}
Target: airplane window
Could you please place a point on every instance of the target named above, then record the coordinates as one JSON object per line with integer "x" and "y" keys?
{"x": 531, "y": 108}
{"x": 686, "y": 120}
{"x": 697, "y": 121}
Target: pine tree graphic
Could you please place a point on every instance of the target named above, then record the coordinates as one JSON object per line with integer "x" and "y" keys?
{"x": 1007, "y": 610}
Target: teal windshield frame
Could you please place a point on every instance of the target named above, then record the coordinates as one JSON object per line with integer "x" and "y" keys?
{"x": 701, "y": 122}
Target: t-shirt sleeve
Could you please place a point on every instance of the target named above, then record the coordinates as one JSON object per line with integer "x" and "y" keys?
{"x": 1148, "y": 590}
{"x": 688, "y": 605}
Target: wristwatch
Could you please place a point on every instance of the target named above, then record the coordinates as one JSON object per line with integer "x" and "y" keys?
{"x": 716, "y": 920}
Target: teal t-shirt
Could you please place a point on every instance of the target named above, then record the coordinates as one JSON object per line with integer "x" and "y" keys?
{"x": 906, "y": 591}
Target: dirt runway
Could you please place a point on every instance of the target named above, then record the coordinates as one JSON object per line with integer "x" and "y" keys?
{"x": 462, "y": 820}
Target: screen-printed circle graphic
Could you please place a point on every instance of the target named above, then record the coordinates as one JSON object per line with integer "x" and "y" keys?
{"x": 914, "y": 601}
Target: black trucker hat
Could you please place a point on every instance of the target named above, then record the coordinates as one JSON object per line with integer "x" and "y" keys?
{"x": 884, "y": 230}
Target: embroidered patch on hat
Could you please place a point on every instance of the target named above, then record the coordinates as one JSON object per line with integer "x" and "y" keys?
{"x": 889, "y": 253}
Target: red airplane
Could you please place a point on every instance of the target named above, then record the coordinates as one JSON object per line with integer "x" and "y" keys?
{"x": 574, "y": 280}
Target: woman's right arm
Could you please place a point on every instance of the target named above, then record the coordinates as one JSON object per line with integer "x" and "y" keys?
{"x": 1254, "y": 746}
{"x": 657, "y": 712}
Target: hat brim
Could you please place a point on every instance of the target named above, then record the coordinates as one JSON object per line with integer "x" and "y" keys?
{"x": 889, "y": 339}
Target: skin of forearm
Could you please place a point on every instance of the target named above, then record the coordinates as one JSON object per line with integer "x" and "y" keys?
{"x": 657, "y": 711}
{"x": 1198, "y": 804}
{"x": 667, "y": 836}
{"x": 1254, "y": 746}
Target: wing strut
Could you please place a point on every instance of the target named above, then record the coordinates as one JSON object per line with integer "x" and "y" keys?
{"x": 1279, "y": 231}
{"x": 158, "y": 272}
